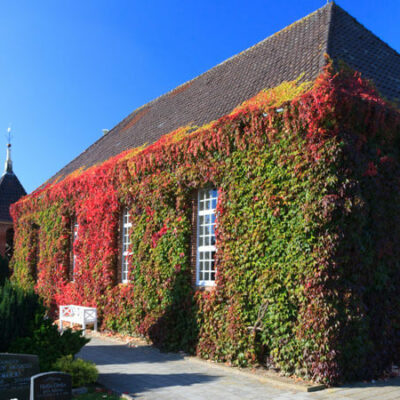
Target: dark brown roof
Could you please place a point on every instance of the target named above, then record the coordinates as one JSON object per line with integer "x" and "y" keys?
{"x": 299, "y": 48}
{"x": 11, "y": 191}
{"x": 361, "y": 49}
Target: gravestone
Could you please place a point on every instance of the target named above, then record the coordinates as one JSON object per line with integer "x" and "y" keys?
{"x": 15, "y": 375}
{"x": 51, "y": 386}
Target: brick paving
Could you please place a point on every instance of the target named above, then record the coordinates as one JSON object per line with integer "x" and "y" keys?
{"x": 145, "y": 373}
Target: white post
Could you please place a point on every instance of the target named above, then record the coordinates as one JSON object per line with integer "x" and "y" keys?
{"x": 60, "y": 317}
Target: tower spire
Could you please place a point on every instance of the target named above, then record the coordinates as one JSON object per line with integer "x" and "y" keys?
{"x": 8, "y": 163}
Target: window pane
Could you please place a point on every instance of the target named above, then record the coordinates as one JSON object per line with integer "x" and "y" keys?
{"x": 126, "y": 226}
{"x": 207, "y": 202}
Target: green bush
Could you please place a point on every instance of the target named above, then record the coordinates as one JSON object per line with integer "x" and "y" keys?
{"x": 82, "y": 372}
{"x": 48, "y": 343}
{"x": 18, "y": 309}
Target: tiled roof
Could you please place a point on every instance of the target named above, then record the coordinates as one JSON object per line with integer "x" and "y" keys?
{"x": 11, "y": 191}
{"x": 361, "y": 49}
{"x": 298, "y": 49}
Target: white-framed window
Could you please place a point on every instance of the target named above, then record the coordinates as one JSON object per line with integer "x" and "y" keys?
{"x": 75, "y": 231}
{"x": 126, "y": 242}
{"x": 205, "y": 260}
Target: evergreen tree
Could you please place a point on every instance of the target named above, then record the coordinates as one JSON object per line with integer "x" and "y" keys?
{"x": 4, "y": 270}
{"x": 17, "y": 313}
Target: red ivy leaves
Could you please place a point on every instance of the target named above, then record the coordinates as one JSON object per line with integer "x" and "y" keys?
{"x": 158, "y": 235}
{"x": 371, "y": 170}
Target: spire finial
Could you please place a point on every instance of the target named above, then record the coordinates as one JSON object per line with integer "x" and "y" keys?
{"x": 8, "y": 163}
{"x": 9, "y": 134}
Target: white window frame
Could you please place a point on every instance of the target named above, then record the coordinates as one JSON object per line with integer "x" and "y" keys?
{"x": 209, "y": 248}
{"x": 75, "y": 233}
{"x": 126, "y": 226}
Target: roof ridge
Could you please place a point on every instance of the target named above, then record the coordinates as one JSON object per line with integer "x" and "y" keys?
{"x": 166, "y": 94}
{"x": 336, "y": 7}
{"x": 323, "y": 59}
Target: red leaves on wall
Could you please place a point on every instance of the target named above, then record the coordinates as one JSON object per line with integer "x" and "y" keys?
{"x": 371, "y": 170}
{"x": 158, "y": 235}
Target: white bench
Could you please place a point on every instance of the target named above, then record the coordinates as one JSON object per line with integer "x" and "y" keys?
{"x": 78, "y": 315}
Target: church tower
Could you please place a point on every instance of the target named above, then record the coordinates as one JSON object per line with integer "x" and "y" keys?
{"x": 11, "y": 191}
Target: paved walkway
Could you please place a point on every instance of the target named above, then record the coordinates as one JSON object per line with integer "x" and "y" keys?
{"x": 145, "y": 373}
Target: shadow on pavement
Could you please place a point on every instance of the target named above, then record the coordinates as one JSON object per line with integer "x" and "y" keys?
{"x": 122, "y": 354}
{"x": 140, "y": 383}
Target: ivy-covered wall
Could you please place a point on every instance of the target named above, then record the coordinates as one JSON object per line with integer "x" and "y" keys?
{"x": 308, "y": 227}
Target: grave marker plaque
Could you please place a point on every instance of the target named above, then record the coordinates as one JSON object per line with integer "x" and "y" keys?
{"x": 51, "y": 386}
{"x": 15, "y": 375}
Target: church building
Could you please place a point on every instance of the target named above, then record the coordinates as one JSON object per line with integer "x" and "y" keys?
{"x": 250, "y": 216}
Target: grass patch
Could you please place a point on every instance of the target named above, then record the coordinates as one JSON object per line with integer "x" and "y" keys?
{"x": 97, "y": 393}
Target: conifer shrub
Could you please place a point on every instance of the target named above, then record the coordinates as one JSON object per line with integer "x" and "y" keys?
{"x": 18, "y": 310}
{"x": 25, "y": 328}
{"x": 46, "y": 342}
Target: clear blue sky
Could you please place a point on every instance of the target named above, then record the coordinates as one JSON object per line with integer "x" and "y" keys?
{"x": 70, "y": 68}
